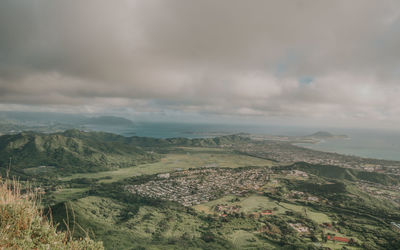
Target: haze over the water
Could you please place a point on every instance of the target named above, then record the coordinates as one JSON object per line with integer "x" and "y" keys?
{"x": 309, "y": 63}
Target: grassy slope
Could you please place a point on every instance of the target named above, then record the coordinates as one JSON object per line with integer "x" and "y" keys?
{"x": 257, "y": 203}
{"x": 71, "y": 151}
{"x": 23, "y": 227}
{"x": 336, "y": 172}
{"x": 121, "y": 226}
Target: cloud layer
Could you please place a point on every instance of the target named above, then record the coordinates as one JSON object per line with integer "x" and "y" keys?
{"x": 316, "y": 59}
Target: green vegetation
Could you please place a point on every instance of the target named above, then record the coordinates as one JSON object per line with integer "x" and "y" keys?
{"x": 23, "y": 227}
{"x": 257, "y": 203}
{"x": 250, "y": 204}
{"x": 216, "y": 194}
{"x": 74, "y": 151}
{"x": 124, "y": 222}
{"x": 340, "y": 173}
{"x": 69, "y": 152}
{"x": 182, "y": 158}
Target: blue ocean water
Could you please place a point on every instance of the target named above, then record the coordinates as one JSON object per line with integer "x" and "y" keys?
{"x": 365, "y": 143}
{"x": 362, "y": 142}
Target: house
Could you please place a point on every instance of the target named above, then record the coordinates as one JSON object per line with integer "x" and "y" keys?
{"x": 163, "y": 176}
{"x": 266, "y": 212}
{"x": 336, "y": 238}
{"x": 219, "y": 207}
{"x": 299, "y": 227}
{"x": 298, "y": 173}
{"x": 395, "y": 226}
{"x": 326, "y": 224}
{"x": 312, "y": 198}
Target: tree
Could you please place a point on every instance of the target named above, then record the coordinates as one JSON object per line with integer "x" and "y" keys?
{"x": 352, "y": 242}
{"x": 313, "y": 238}
{"x": 324, "y": 238}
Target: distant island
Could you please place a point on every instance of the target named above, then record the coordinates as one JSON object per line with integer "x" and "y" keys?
{"x": 312, "y": 138}
{"x": 326, "y": 135}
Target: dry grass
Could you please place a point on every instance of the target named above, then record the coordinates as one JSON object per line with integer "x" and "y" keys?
{"x": 23, "y": 226}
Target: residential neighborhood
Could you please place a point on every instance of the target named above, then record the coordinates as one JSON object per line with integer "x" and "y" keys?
{"x": 193, "y": 187}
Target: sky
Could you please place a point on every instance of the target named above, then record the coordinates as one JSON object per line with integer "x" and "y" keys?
{"x": 306, "y": 62}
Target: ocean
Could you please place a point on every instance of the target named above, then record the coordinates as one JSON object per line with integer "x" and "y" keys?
{"x": 365, "y": 143}
{"x": 369, "y": 143}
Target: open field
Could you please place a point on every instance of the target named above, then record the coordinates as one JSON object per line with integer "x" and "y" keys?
{"x": 190, "y": 158}
{"x": 40, "y": 170}
{"x": 67, "y": 194}
{"x": 256, "y": 203}
{"x": 244, "y": 240}
{"x": 313, "y": 215}
{"x": 338, "y": 245}
{"x": 252, "y": 203}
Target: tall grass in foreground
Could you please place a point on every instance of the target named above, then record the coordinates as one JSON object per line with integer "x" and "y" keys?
{"x": 22, "y": 225}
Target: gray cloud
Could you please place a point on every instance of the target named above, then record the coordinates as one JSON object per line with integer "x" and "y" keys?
{"x": 227, "y": 57}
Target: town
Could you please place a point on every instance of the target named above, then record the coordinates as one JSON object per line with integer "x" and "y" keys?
{"x": 193, "y": 187}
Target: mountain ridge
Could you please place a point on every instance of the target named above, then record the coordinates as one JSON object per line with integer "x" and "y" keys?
{"x": 74, "y": 151}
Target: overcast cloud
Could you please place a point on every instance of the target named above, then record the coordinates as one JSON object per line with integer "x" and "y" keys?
{"x": 335, "y": 60}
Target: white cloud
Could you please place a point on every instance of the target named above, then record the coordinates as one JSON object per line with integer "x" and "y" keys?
{"x": 227, "y": 57}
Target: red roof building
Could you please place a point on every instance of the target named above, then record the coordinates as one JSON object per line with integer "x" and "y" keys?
{"x": 266, "y": 212}
{"x": 341, "y": 239}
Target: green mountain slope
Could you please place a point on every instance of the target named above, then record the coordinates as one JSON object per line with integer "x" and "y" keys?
{"x": 75, "y": 151}
{"x": 127, "y": 222}
{"x": 340, "y": 173}
{"x": 71, "y": 151}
